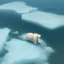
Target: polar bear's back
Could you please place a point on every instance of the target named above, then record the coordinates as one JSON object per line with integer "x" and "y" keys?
{"x": 29, "y": 36}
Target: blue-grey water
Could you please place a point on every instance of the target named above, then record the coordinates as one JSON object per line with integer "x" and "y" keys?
{"x": 54, "y": 38}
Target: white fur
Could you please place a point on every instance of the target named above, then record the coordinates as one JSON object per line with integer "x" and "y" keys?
{"x": 33, "y": 37}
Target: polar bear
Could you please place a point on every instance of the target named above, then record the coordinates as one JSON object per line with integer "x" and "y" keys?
{"x": 33, "y": 37}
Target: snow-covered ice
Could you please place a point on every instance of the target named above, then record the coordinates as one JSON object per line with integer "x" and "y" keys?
{"x": 22, "y": 52}
{"x": 3, "y": 37}
{"x": 18, "y": 6}
{"x": 44, "y": 19}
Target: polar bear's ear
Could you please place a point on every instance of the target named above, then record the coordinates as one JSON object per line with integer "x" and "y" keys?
{"x": 39, "y": 36}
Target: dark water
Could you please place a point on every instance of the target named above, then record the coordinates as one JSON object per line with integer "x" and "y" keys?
{"x": 54, "y": 38}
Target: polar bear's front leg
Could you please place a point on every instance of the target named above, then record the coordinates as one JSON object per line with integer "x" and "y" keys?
{"x": 38, "y": 41}
{"x": 35, "y": 40}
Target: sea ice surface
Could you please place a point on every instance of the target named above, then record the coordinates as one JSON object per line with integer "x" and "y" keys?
{"x": 3, "y": 37}
{"x": 44, "y": 19}
{"x": 23, "y": 52}
{"x": 18, "y": 6}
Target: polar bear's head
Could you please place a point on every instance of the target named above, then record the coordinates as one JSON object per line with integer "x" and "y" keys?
{"x": 39, "y": 35}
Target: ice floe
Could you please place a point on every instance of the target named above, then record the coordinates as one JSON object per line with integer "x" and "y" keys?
{"x": 18, "y": 6}
{"x": 23, "y": 52}
{"x": 3, "y": 37}
{"x": 44, "y": 19}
